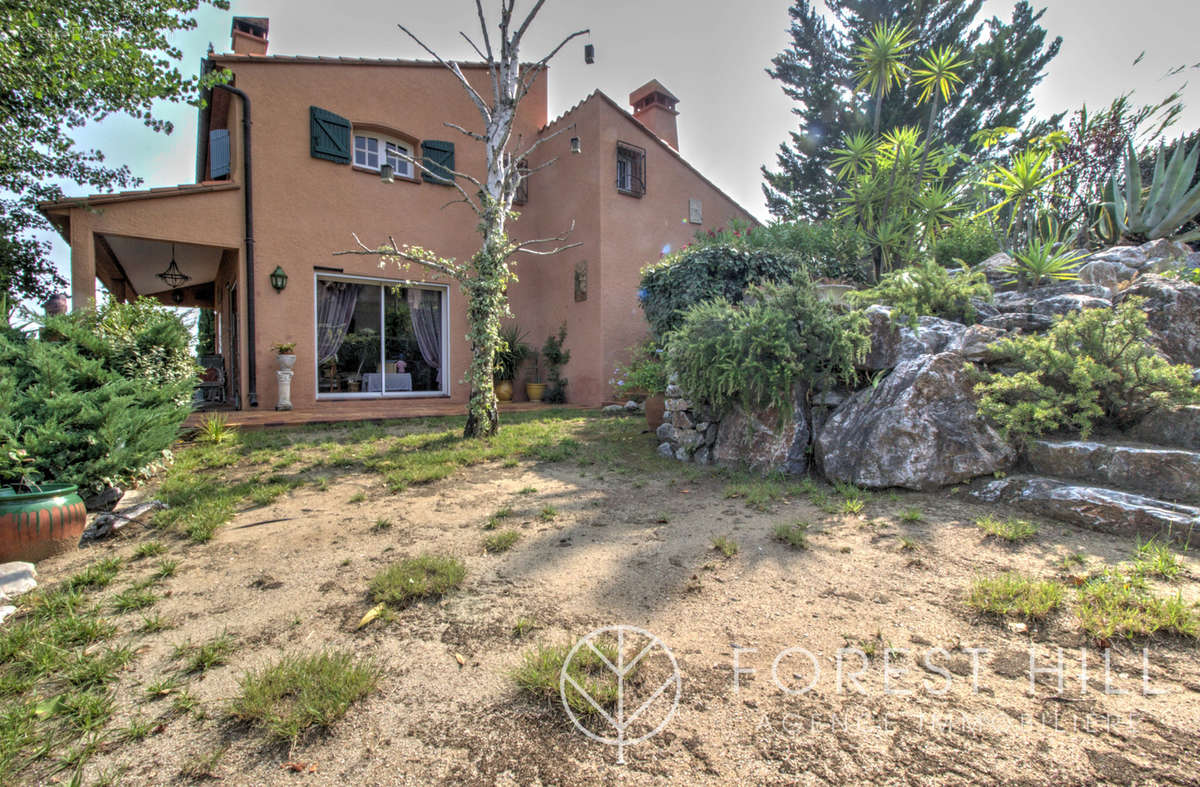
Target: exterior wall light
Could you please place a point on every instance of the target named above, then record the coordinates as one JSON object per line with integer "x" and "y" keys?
{"x": 576, "y": 146}
{"x": 386, "y": 173}
{"x": 589, "y": 53}
{"x": 278, "y": 278}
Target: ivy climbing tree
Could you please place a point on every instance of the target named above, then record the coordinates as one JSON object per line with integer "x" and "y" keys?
{"x": 486, "y": 275}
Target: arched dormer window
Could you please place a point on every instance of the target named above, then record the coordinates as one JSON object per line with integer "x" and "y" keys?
{"x": 377, "y": 145}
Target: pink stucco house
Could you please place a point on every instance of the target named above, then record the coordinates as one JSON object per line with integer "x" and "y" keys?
{"x": 288, "y": 165}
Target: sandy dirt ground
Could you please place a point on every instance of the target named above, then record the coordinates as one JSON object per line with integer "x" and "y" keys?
{"x": 637, "y": 551}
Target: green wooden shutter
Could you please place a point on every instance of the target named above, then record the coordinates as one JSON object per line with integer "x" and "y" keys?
{"x": 330, "y": 135}
{"x": 439, "y": 159}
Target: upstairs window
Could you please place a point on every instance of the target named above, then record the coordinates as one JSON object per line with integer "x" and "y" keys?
{"x": 631, "y": 169}
{"x": 366, "y": 151}
{"x": 371, "y": 150}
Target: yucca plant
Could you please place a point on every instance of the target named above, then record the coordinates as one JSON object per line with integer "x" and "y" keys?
{"x": 1162, "y": 209}
{"x": 878, "y": 66}
{"x": 1044, "y": 259}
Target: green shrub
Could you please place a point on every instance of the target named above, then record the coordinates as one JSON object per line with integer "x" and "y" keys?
{"x": 1092, "y": 367}
{"x": 757, "y": 352}
{"x": 826, "y": 249}
{"x": 928, "y": 289}
{"x": 96, "y": 401}
{"x": 684, "y": 279}
{"x": 966, "y": 241}
{"x": 645, "y": 374}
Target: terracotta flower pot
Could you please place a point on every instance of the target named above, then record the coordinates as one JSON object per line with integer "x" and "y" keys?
{"x": 504, "y": 390}
{"x": 656, "y": 407}
{"x": 36, "y": 525}
{"x": 535, "y": 391}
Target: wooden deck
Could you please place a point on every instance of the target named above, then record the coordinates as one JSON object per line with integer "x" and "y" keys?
{"x": 340, "y": 412}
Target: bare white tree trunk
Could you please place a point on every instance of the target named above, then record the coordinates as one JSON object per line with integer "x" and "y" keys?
{"x": 486, "y": 275}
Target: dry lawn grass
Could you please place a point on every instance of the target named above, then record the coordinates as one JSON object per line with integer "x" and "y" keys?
{"x": 607, "y": 533}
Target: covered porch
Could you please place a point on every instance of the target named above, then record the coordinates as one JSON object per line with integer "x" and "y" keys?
{"x": 181, "y": 246}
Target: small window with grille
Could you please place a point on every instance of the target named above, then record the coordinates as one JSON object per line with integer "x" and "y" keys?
{"x": 631, "y": 169}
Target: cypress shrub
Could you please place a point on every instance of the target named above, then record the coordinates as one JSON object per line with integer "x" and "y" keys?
{"x": 98, "y": 400}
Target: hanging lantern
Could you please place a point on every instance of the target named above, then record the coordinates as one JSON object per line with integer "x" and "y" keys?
{"x": 589, "y": 53}
{"x": 278, "y": 278}
{"x": 576, "y": 145}
{"x": 172, "y": 276}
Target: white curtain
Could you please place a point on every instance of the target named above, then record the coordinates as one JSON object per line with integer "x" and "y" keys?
{"x": 425, "y": 307}
{"x": 335, "y": 308}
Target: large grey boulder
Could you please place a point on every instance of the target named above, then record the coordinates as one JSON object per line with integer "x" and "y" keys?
{"x": 1157, "y": 254}
{"x": 1129, "y": 256}
{"x": 1173, "y": 310}
{"x": 1025, "y": 301}
{"x": 1106, "y": 273}
{"x": 981, "y": 344}
{"x": 758, "y": 441}
{"x": 1069, "y": 302}
{"x": 893, "y": 343}
{"x": 997, "y": 268}
{"x": 917, "y": 429}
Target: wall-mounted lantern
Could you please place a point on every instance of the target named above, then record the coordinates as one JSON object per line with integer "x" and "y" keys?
{"x": 386, "y": 173}
{"x": 177, "y": 296}
{"x": 278, "y": 278}
{"x": 576, "y": 145}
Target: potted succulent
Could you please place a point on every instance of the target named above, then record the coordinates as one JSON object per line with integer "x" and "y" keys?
{"x": 285, "y": 353}
{"x": 644, "y": 378}
{"x": 511, "y": 353}
{"x": 36, "y": 520}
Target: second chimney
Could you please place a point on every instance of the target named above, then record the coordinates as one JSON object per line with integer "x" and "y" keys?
{"x": 250, "y": 35}
{"x": 654, "y": 106}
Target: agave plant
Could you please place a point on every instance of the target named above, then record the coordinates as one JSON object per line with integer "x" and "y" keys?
{"x": 1160, "y": 211}
{"x": 1044, "y": 259}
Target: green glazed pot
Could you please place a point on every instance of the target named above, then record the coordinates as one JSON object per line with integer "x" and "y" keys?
{"x": 36, "y": 525}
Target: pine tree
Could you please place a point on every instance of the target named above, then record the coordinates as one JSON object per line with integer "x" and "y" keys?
{"x": 1007, "y": 59}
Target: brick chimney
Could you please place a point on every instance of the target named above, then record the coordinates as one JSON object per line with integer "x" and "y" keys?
{"x": 250, "y": 35}
{"x": 654, "y": 106}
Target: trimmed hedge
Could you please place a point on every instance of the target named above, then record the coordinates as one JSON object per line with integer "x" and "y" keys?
{"x": 694, "y": 275}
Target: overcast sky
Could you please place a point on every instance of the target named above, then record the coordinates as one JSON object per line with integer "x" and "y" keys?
{"x": 710, "y": 53}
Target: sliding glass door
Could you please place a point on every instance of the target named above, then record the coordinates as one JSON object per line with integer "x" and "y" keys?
{"x": 378, "y": 338}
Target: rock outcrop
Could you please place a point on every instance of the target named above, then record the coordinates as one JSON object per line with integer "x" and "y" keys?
{"x": 759, "y": 441}
{"x": 1173, "y": 311}
{"x": 917, "y": 429}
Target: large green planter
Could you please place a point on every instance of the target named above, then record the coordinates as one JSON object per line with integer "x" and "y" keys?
{"x": 36, "y": 525}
